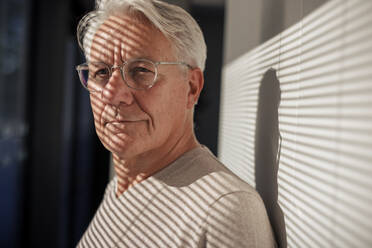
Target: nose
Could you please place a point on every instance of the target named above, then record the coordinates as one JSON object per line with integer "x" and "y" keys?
{"x": 116, "y": 90}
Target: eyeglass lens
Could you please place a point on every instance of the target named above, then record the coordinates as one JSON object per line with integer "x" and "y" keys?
{"x": 138, "y": 74}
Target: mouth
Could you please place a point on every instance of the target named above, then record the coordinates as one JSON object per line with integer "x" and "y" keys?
{"x": 114, "y": 122}
{"x": 120, "y": 124}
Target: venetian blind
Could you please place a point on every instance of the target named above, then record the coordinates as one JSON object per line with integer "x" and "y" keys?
{"x": 316, "y": 76}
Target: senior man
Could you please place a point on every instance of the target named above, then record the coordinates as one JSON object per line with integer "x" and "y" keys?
{"x": 144, "y": 73}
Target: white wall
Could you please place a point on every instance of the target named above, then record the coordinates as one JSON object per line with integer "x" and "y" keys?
{"x": 318, "y": 98}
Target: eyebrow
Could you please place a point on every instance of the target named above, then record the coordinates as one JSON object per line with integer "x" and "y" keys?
{"x": 141, "y": 57}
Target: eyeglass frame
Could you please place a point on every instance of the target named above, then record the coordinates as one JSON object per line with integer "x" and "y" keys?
{"x": 121, "y": 68}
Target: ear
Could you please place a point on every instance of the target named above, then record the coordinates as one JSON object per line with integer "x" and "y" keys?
{"x": 196, "y": 83}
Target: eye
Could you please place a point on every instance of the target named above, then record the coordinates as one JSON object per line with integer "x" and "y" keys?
{"x": 99, "y": 73}
{"x": 141, "y": 75}
{"x": 140, "y": 69}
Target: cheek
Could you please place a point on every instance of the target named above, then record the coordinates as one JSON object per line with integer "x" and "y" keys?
{"x": 97, "y": 109}
{"x": 172, "y": 107}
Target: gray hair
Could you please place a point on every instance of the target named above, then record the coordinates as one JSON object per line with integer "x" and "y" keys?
{"x": 175, "y": 23}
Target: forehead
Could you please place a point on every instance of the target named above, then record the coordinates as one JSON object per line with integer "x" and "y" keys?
{"x": 124, "y": 37}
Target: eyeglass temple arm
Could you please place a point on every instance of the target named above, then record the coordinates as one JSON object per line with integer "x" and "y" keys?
{"x": 175, "y": 63}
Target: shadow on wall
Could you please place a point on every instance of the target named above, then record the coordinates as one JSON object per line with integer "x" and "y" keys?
{"x": 267, "y": 152}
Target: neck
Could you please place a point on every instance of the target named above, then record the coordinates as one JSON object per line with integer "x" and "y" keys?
{"x": 132, "y": 171}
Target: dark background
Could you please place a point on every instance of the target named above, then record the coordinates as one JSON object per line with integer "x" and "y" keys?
{"x": 53, "y": 170}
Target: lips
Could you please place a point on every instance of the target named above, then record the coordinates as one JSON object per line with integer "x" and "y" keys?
{"x": 116, "y": 123}
{"x": 121, "y": 118}
{"x": 120, "y": 122}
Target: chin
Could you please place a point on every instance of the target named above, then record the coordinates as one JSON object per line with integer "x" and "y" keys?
{"x": 126, "y": 152}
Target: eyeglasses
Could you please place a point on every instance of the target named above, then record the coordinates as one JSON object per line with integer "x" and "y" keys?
{"x": 140, "y": 74}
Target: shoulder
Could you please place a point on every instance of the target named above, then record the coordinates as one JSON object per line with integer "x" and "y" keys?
{"x": 224, "y": 210}
{"x": 238, "y": 219}
{"x": 209, "y": 173}
{"x": 200, "y": 175}
{"x": 235, "y": 215}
